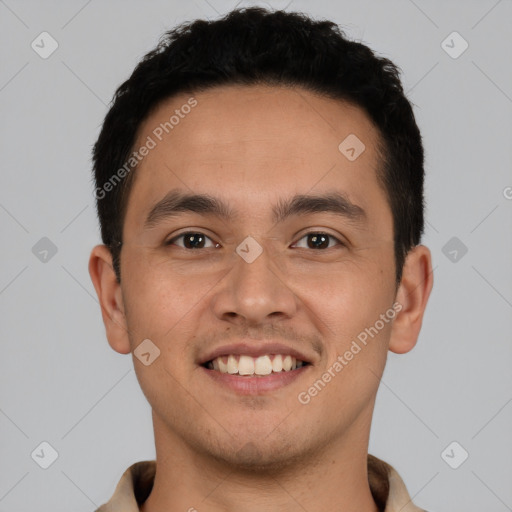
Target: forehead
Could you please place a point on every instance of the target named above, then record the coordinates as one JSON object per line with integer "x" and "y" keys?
{"x": 255, "y": 143}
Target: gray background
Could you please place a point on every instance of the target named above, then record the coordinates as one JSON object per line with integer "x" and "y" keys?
{"x": 60, "y": 381}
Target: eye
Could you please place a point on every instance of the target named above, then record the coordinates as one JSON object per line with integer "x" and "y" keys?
{"x": 192, "y": 240}
{"x": 317, "y": 240}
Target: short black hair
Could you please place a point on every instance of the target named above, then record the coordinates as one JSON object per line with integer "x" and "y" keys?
{"x": 254, "y": 46}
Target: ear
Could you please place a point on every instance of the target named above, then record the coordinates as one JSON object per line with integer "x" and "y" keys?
{"x": 111, "y": 299}
{"x": 412, "y": 296}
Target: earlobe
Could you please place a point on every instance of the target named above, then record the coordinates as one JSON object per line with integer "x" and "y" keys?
{"x": 110, "y": 298}
{"x": 412, "y": 296}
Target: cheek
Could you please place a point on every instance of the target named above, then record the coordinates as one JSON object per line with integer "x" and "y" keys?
{"x": 347, "y": 305}
{"x": 166, "y": 304}
{"x": 154, "y": 300}
{"x": 157, "y": 312}
{"x": 158, "y": 309}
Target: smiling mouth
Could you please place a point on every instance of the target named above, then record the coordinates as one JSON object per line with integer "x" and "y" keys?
{"x": 248, "y": 366}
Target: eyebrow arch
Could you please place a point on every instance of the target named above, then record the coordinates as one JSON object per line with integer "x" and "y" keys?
{"x": 176, "y": 202}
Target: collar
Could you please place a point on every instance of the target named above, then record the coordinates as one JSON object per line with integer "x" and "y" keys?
{"x": 388, "y": 489}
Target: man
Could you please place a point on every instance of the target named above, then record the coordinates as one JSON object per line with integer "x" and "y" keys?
{"x": 259, "y": 184}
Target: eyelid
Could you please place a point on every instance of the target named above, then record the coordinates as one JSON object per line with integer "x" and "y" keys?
{"x": 189, "y": 231}
{"x": 171, "y": 240}
{"x": 321, "y": 232}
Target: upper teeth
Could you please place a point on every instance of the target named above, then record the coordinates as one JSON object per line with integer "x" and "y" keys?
{"x": 247, "y": 365}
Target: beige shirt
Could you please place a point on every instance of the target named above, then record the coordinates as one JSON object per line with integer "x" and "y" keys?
{"x": 388, "y": 489}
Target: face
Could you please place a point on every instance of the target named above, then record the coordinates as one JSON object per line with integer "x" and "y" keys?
{"x": 254, "y": 270}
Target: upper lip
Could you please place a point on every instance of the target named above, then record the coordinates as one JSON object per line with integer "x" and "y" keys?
{"x": 254, "y": 349}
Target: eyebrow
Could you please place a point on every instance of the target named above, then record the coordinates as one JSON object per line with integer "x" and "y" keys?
{"x": 176, "y": 202}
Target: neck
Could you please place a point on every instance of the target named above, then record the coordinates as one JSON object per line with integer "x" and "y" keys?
{"x": 191, "y": 481}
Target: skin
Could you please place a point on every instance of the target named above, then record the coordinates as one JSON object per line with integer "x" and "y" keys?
{"x": 217, "y": 450}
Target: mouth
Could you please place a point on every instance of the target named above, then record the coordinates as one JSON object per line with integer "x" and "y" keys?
{"x": 243, "y": 365}
{"x": 252, "y": 368}
{"x": 256, "y": 376}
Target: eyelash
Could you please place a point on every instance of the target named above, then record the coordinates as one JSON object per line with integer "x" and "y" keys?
{"x": 172, "y": 240}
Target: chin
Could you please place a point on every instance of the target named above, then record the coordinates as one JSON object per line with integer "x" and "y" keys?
{"x": 260, "y": 457}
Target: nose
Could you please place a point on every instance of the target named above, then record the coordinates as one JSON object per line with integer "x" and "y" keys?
{"x": 254, "y": 293}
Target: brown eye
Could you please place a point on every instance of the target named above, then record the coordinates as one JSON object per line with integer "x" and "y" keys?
{"x": 192, "y": 240}
{"x": 318, "y": 240}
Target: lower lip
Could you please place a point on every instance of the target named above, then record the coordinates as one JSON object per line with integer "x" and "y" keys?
{"x": 244, "y": 385}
